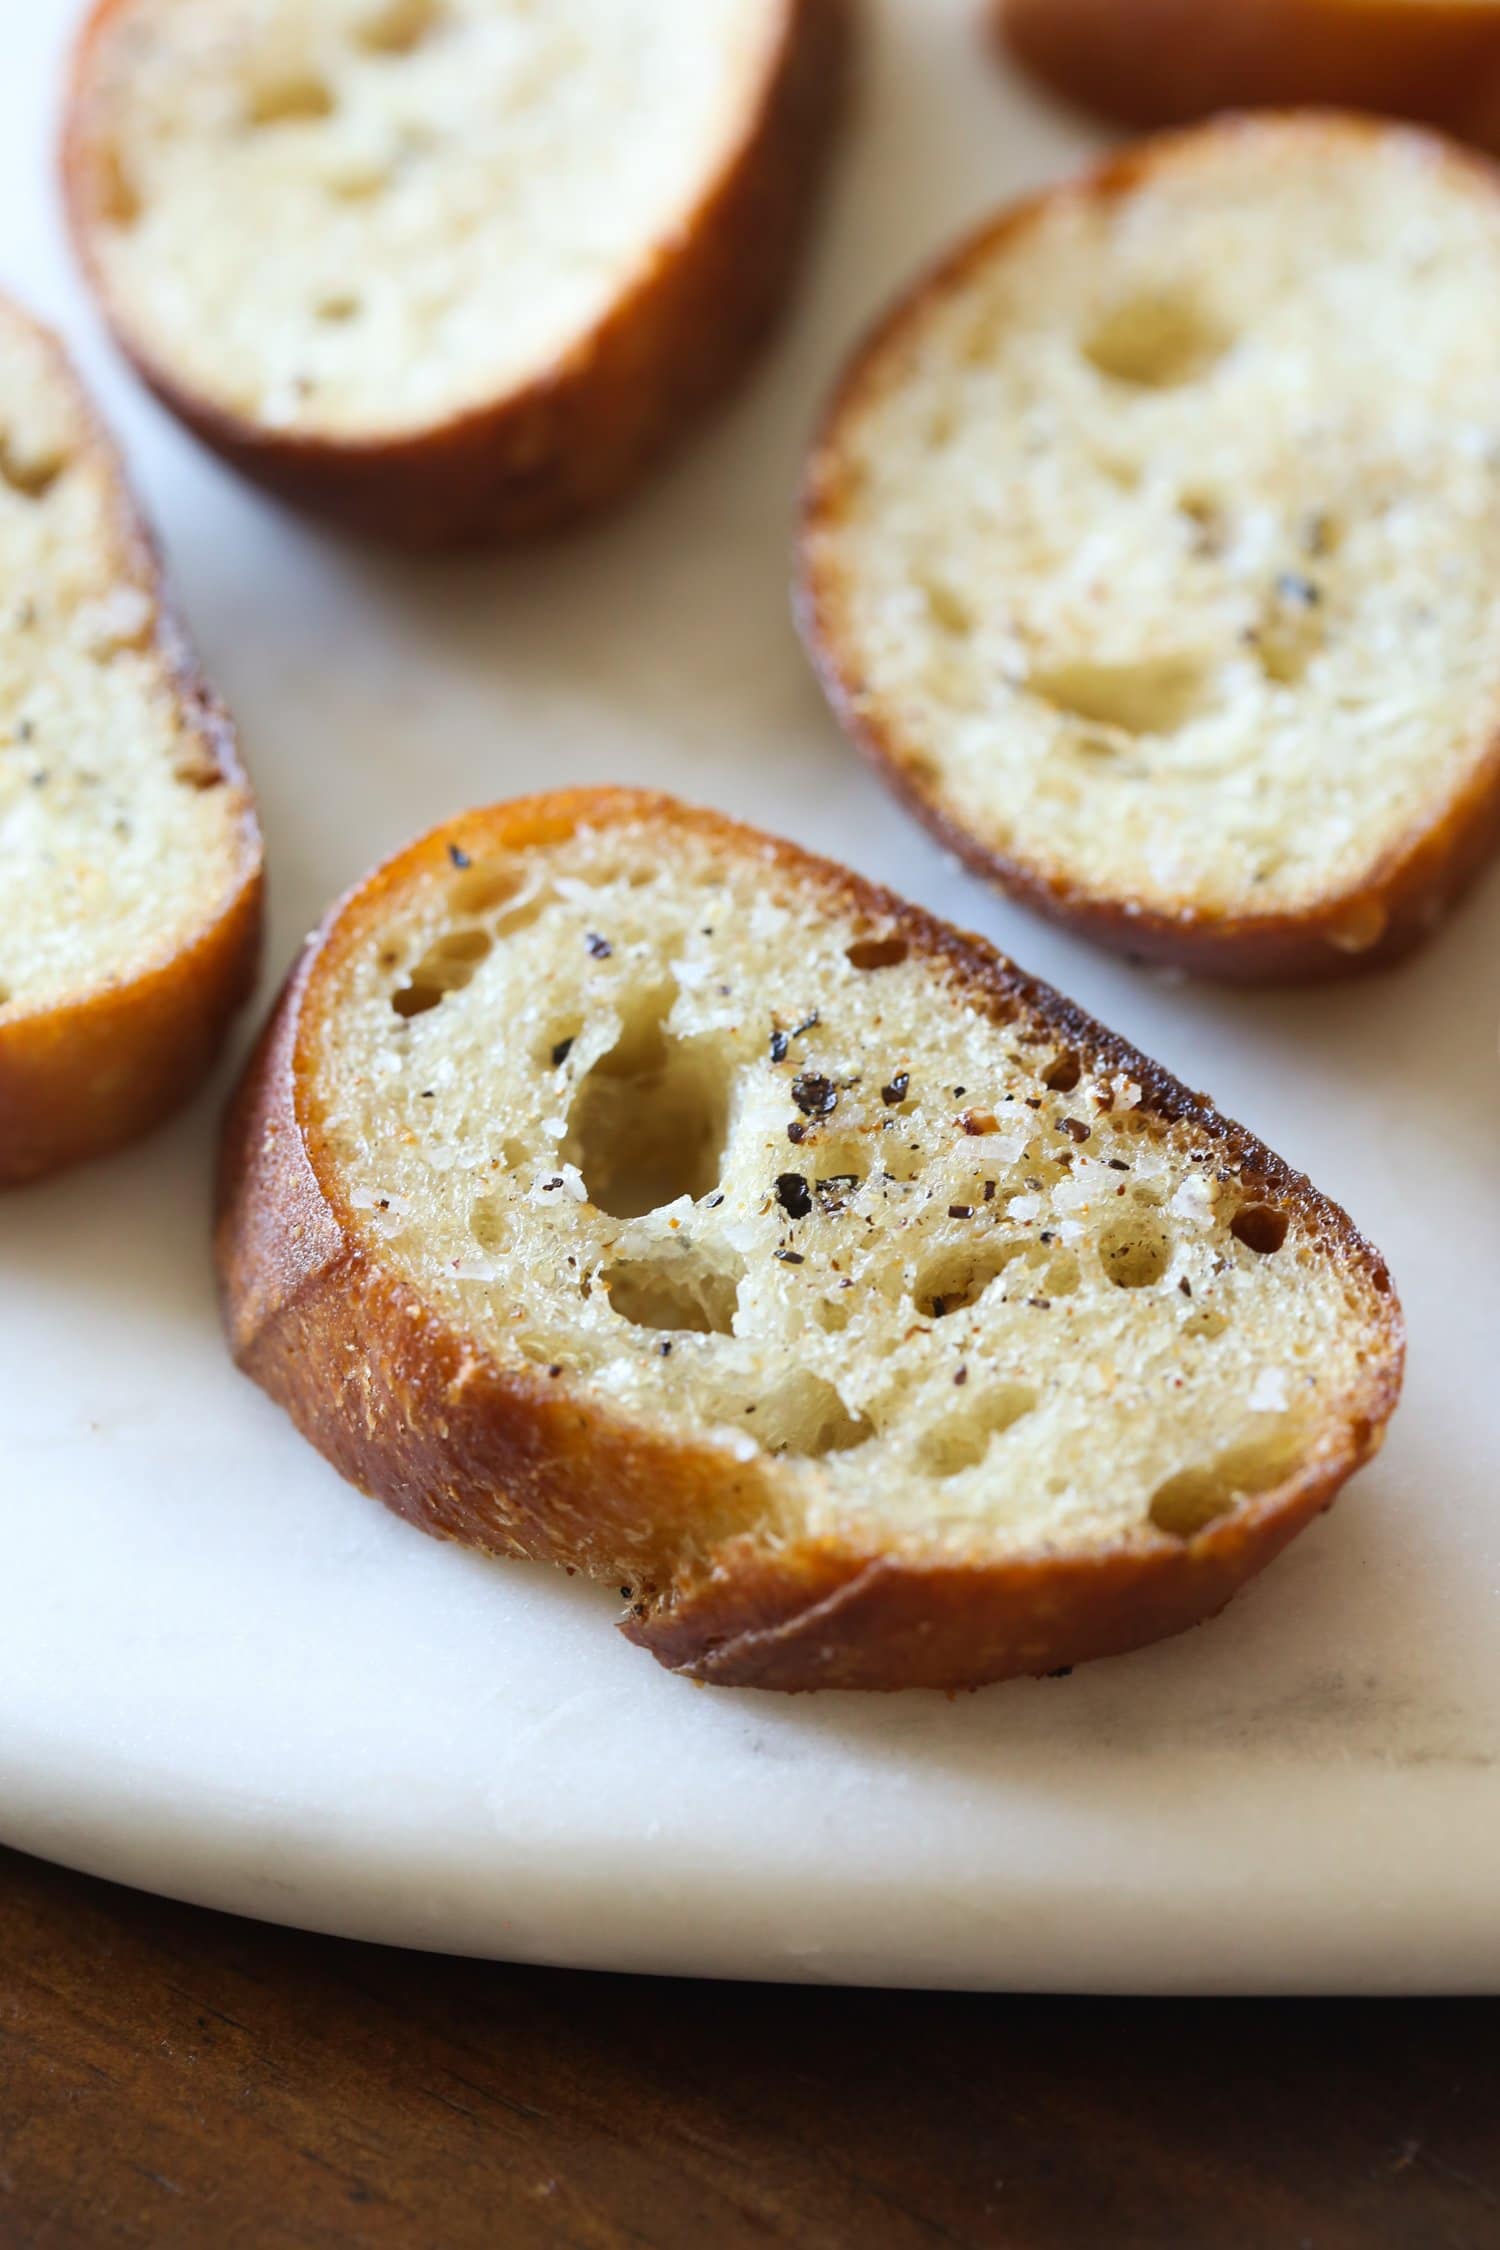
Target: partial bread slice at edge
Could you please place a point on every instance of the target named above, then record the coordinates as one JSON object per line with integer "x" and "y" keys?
{"x": 1108, "y": 284}
{"x": 1168, "y": 62}
{"x": 569, "y": 437}
{"x": 110, "y": 1014}
{"x": 787, "y": 1409}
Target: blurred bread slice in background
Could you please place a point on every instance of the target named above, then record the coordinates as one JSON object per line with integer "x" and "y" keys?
{"x": 447, "y": 269}
{"x": 1152, "y": 545}
{"x": 130, "y": 856}
{"x": 1167, "y": 62}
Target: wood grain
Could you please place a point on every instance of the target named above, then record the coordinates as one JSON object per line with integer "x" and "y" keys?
{"x": 171, "y": 2077}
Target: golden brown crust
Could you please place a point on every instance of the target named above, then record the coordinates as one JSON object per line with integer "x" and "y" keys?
{"x": 1366, "y": 926}
{"x": 515, "y": 1462}
{"x": 1166, "y": 62}
{"x": 572, "y": 441}
{"x": 86, "y": 1076}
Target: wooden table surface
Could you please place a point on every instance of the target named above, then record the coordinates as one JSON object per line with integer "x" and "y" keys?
{"x": 170, "y": 2077}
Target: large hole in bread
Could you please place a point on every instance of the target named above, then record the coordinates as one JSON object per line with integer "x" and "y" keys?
{"x": 1198, "y": 1496}
{"x": 806, "y": 1415}
{"x": 1135, "y": 1250}
{"x": 957, "y": 1277}
{"x": 963, "y": 1438}
{"x": 649, "y": 1121}
{"x": 1261, "y": 1228}
{"x": 682, "y": 1288}
{"x": 447, "y": 966}
{"x": 1156, "y": 696}
{"x": 1157, "y": 340}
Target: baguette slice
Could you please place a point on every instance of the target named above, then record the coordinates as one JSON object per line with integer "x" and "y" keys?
{"x": 1152, "y": 546}
{"x": 1167, "y": 62}
{"x": 447, "y": 269}
{"x": 618, "y": 1187}
{"x": 130, "y": 856}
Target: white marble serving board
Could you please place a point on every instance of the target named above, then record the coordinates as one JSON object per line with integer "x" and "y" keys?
{"x": 225, "y": 1675}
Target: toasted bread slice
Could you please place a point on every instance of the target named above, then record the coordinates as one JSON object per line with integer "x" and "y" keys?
{"x": 618, "y": 1187}
{"x": 130, "y": 857}
{"x": 1152, "y": 548}
{"x": 447, "y": 269}
{"x": 1167, "y": 62}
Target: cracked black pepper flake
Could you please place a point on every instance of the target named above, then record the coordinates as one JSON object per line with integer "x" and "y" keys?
{"x": 896, "y": 1091}
{"x": 959, "y": 1093}
{"x": 625, "y": 1593}
{"x": 791, "y": 1257}
{"x": 665, "y": 1349}
{"x": 427, "y": 1094}
{"x": 815, "y": 1095}
{"x": 793, "y": 1194}
{"x": 960, "y": 1210}
{"x": 561, "y": 1052}
{"x": 1063, "y": 1672}
{"x": 1042, "y": 1304}
{"x": 1118, "y": 1164}
{"x": 989, "y": 1191}
{"x": 1185, "y": 1286}
{"x": 459, "y": 856}
{"x": 962, "y": 1376}
{"x": 713, "y": 1201}
{"x": 1293, "y": 587}
{"x": 796, "y": 1133}
{"x": 1076, "y": 1130}
{"x": 600, "y": 947}
{"x": 554, "y": 1372}
{"x": 808, "y": 1023}
{"x": 780, "y": 1042}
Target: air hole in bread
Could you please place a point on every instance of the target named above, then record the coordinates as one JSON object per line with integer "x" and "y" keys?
{"x": 1135, "y": 1251}
{"x": 398, "y": 26}
{"x": 447, "y": 966}
{"x": 958, "y": 1275}
{"x": 681, "y": 1289}
{"x": 1157, "y": 696}
{"x": 116, "y": 198}
{"x": 291, "y": 97}
{"x": 1061, "y": 1076}
{"x": 877, "y": 953}
{"x": 1196, "y": 1497}
{"x": 649, "y": 1121}
{"x": 1260, "y": 1226}
{"x": 1208, "y": 524}
{"x": 1157, "y": 341}
{"x": 947, "y": 608}
{"x": 481, "y": 888}
{"x": 1363, "y": 926}
{"x": 806, "y": 1415}
{"x": 962, "y": 1439}
{"x": 33, "y": 478}
{"x": 489, "y": 1222}
{"x": 198, "y": 772}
